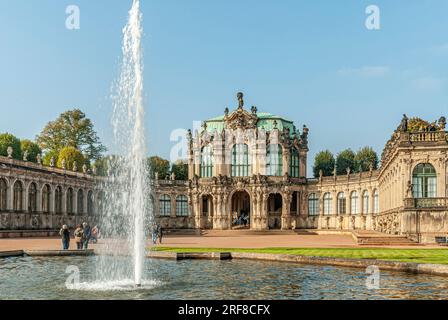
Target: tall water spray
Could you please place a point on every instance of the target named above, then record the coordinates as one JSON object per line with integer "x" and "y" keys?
{"x": 126, "y": 211}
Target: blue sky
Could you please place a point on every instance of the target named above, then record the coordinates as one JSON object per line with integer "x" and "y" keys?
{"x": 313, "y": 62}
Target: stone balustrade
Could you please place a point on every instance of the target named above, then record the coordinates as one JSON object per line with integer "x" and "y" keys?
{"x": 425, "y": 203}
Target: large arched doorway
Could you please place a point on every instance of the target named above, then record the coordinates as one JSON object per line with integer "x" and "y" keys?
{"x": 275, "y": 203}
{"x": 240, "y": 210}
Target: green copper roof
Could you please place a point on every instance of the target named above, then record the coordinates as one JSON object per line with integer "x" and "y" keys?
{"x": 265, "y": 120}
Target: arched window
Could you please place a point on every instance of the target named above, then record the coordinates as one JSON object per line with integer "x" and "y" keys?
{"x": 165, "y": 205}
{"x": 90, "y": 202}
{"x": 207, "y": 162}
{"x": 424, "y": 179}
{"x": 274, "y": 161}
{"x": 32, "y": 197}
{"x": 80, "y": 202}
{"x": 342, "y": 203}
{"x": 240, "y": 160}
{"x": 69, "y": 201}
{"x": 294, "y": 164}
{"x": 365, "y": 202}
{"x": 313, "y": 205}
{"x": 376, "y": 202}
{"x": 354, "y": 202}
{"x": 328, "y": 203}
{"x": 3, "y": 195}
{"x": 18, "y": 196}
{"x": 46, "y": 192}
{"x": 182, "y": 206}
{"x": 58, "y": 200}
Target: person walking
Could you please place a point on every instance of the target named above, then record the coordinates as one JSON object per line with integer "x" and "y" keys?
{"x": 65, "y": 234}
{"x": 78, "y": 236}
{"x": 86, "y": 235}
{"x": 160, "y": 233}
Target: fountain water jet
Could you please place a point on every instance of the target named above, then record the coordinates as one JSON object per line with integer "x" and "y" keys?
{"x": 126, "y": 211}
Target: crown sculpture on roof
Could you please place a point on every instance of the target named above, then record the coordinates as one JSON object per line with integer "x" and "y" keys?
{"x": 240, "y": 118}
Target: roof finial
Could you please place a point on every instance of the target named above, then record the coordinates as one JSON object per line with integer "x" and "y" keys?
{"x": 240, "y": 97}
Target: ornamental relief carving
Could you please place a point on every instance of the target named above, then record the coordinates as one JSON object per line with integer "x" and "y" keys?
{"x": 389, "y": 223}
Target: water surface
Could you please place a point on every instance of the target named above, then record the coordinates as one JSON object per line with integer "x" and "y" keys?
{"x": 45, "y": 278}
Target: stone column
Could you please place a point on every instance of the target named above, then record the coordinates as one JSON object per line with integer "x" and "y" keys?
{"x": 25, "y": 197}
{"x": 10, "y": 197}
{"x": 286, "y": 158}
{"x": 302, "y": 162}
{"x": 75, "y": 202}
{"x": 64, "y": 200}
{"x": 264, "y": 221}
{"x": 51, "y": 209}
{"x": 335, "y": 203}
{"x": 86, "y": 202}
{"x": 286, "y": 214}
{"x": 173, "y": 206}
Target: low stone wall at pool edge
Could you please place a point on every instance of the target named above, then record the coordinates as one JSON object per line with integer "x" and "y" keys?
{"x": 433, "y": 269}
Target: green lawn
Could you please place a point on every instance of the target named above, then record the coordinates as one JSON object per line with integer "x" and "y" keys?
{"x": 439, "y": 256}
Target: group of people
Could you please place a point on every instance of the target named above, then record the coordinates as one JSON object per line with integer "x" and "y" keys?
{"x": 157, "y": 234}
{"x": 242, "y": 219}
{"x": 83, "y": 234}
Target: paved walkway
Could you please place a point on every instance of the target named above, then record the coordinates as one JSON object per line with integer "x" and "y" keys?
{"x": 224, "y": 241}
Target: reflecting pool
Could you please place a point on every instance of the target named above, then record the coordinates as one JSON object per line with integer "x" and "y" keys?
{"x": 54, "y": 278}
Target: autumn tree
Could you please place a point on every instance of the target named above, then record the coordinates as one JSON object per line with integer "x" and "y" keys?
{"x": 71, "y": 129}
{"x": 159, "y": 165}
{"x": 31, "y": 148}
{"x": 180, "y": 170}
{"x": 71, "y": 155}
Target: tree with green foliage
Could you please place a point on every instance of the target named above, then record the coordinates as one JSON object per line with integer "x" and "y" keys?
{"x": 71, "y": 129}
{"x": 324, "y": 161}
{"x": 159, "y": 165}
{"x": 345, "y": 159}
{"x": 109, "y": 162}
{"x": 70, "y": 155}
{"x": 31, "y": 148}
{"x": 180, "y": 170}
{"x": 8, "y": 140}
{"x": 366, "y": 158}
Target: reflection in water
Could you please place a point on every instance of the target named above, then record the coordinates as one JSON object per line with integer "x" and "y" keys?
{"x": 44, "y": 278}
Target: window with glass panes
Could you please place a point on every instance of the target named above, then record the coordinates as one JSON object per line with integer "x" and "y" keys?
{"x": 313, "y": 205}
{"x": 365, "y": 202}
{"x": 328, "y": 203}
{"x": 240, "y": 160}
{"x": 182, "y": 206}
{"x": 165, "y": 205}
{"x": 207, "y": 162}
{"x": 274, "y": 161}
{"x": 424, "y": 180}
{"x": 294, "y": 164}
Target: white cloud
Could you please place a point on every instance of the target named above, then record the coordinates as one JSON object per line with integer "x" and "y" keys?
{"x": 366, "y": 71}
{"x": 440, "y": 49}
{"x": 428, "y": 83}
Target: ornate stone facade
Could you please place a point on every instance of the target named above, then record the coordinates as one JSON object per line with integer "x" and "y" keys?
{"x": 254, "y": 164}
{"x": 37, "y": 197}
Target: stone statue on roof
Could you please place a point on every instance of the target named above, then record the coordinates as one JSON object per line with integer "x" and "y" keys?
{"x": 240, "y": 97}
